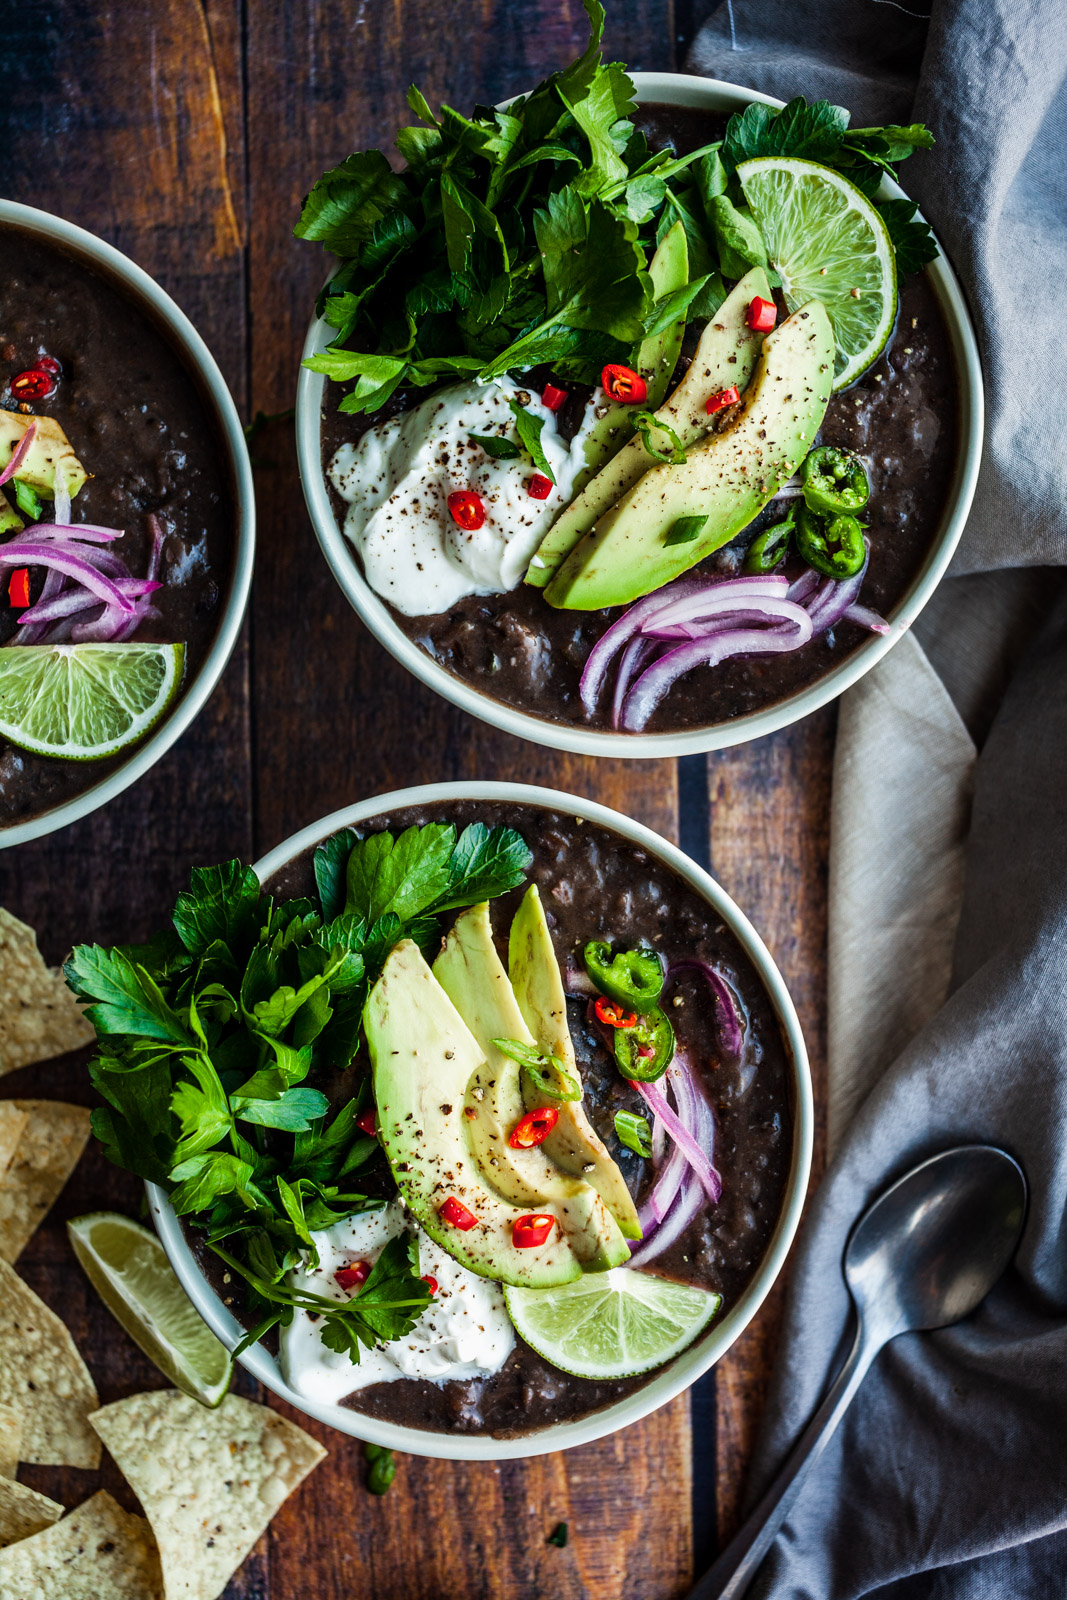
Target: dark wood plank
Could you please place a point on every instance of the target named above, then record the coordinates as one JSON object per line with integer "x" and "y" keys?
{"x": 336, "y": 719}
{"x": 770, "y": 806}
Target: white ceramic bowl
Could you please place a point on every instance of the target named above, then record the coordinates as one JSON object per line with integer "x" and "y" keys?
{"x": 160, "y": 309}
{"x": 708, "y": 94}
{"x": 687, "y": 1367}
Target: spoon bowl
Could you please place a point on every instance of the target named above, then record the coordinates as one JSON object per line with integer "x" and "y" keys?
{"x": 929, "y": 1249}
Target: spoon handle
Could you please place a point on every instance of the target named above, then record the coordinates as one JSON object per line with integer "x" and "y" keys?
{"x": 736, "y": 1567}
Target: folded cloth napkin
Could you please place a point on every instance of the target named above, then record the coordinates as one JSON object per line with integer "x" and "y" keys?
{"x": 948, "y": 925}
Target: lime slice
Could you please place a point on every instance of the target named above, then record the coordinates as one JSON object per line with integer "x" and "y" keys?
{"x": 827, "y": 242}
{"x": 85, "y": 701}
{"x": 128, "y": 1268}
{"x": 611, "y": 1324}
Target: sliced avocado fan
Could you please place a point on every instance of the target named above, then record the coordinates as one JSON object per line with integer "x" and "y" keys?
{"x": 50, "y": 450}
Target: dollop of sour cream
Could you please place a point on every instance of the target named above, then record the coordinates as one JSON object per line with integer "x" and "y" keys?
{"x": 398, "y": 477}
{"x": 465, "y": 1332}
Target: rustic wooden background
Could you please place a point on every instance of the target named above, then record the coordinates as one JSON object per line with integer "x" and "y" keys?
{"x": 186, "y": 132}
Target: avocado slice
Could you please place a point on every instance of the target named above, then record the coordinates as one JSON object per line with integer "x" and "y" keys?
{"x": 472, "y": 975}
{"x": 538, "y": 986}
{"x": 50, "y": 449}
{"x": 729, "y": 476}
{"x": 423, "y": 1056}
{"x": 725, "y": 355}
{"x": 10, "y": 521}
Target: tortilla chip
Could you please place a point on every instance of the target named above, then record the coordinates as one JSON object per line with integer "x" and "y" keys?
{"x": 12, "y": 1122}
{"x": 39, "y": 1016}
{"x": 53, "y": 1138}
{"x": 99, "y": 1552}
{"x": 24, "y": 1512}
{"x": 44, "y": 1379}
{"x": 10, "y": 1441}
{"x": 209, "y": 1481}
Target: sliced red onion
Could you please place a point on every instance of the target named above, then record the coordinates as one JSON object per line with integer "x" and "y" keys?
{"x": 19, "y": 453}
{"x": 657, "y": 679}
{"x": 634, "y": 656}
{"x": 28, "y": 553}
{"x": 659, "y": 1142}
{"x": 730, "y": 1017}
{"x": 86, "y": 532}
{"x": 621, "y": 631}
{"x": 61, "y": 513}
{"x": 731, "y": 593}
{"x": 663, "y": 1192}
{"x": 73, "y": 600}
{"x": 685, "y": 1208}
{"x": 864, "y": 617}
{"x": 804, "y": 587}
{"x": 54, "y": 584}
{"x": 710, "y": 1181}
{"x": 704, "y": 629}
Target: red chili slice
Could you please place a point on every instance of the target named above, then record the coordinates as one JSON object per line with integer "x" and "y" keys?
{"x": 33, "y": 385}
{"x": 552, "y": 397}
{"x": 431, "y": 1282}
{"x": 613, "y": 1014}
{"x": 533, "y": 1128}
{"x": 467, "y": 509}
{"x": 530, "y": 1231}
{"x": 539, "y": 487}
{"x": 351, "y": 1276}
{"x": 762, "y": 315}
{"x": 455, "y": 1213}
{"x": 722, "y": 398}
{"x": 368, "y": 1122}
{"x": 19, "y": 588}
{"x": 624, "y": 384}
{"x": 50, "y": 365}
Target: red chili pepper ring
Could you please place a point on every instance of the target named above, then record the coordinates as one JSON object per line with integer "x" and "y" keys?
{"x": 18, "y": 589}
{"x": 32, "y": 385}
{"x": 534, "y": 1128}
{"x": 624, "y": 384}
{"x": 613, "y": 1014}
{"x": 455, "y": 1213}
{"x": 529, "y": 1232}
{"x": 467, "y": 509}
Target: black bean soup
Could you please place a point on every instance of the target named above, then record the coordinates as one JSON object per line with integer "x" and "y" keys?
{"x": 595, "y": 884}
{"x": 136, "y": 419}
{"x": 902, "y": 417}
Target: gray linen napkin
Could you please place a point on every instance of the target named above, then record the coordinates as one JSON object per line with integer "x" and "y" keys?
{"x": 948, "y": 1479}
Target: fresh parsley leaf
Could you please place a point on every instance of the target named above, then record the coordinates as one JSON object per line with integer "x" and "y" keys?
{"x": 394, "y": 1296}
{"x": 128, "y": 998}
{"x": 634, "y": 1132}
{"x": 485, "y": 863}
{"x": 404, "y": 876}
{"x": 346, "y": 203}
{"x": 814, "y": 132}
{"x": 203, "y": 1179}
{"x": 294, "y": 1112}
{"x": 529, "y": 428}
{"x": 495, "y": 446}
{"x": 201, "y": 1107}
{"x": 222, "y": 905}
{"x": 331, "y": 868}
{"x": 646, "y": 424}
{"x": 738, "y": 239}
{"x": 913, "y": 241}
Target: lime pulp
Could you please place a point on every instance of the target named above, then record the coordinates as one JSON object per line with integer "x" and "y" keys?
{"x": 83, "y": 702}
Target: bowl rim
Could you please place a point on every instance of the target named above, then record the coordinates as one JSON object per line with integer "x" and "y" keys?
{"x": 692, "y": 1363}
{"x": 700, "y": 93}
{"x": 193, "y": 351}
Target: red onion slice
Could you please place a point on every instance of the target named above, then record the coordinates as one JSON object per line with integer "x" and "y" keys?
{"x": 85, "y": 532}
{"x": 27, "y": 553}
{"x": 621, "y": 631}
{"x": 61, "y": 513}
{"x": 678, "y": 1219}
{"x": 19, "y": 453}
{"x": 67, "y": 604}
{"x": 728, "y": 594}
{"x": 634, "y": 656}
{"x": 710, "y": 1181}
{"x": 864, "y": 617}
{"x": 654, "y": 683}
{"x": 730, "y": 1017}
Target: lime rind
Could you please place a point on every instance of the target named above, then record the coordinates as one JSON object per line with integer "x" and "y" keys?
{"x": 616, "y": 1324}
{"x": 827, "y": 242}
{"x": 128, "y": 1268}
{"x": 83, "y": 702}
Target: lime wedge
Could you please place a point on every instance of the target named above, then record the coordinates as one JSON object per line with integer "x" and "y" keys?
{"x": 85, "y": 701}
{"x": 611, "y": 1324}
{"x": 827, "y": 242}
{"x": 128, "y": 1268}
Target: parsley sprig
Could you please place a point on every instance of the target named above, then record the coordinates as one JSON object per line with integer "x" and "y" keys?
{"x": 216, "y": 1038}
{"x": 523, "y": 237}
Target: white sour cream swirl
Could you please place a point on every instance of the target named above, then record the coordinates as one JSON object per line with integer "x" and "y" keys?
{"x": 397, "y": 479}
{"x": 465, "y": 1331}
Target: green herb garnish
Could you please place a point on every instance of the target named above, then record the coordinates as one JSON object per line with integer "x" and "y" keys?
{"x": 634, "y": 1132}
{"x": 381, "y": 1468}
{"x": 685, "y": 529}
{"x": 646, "y": 423}
{"x": 546, "y": 1072}
{"x": 529, "y": 429}
{"x": 212, "y": 1036}
{"x": 27, "y": 499}
{"x": 496, "y": 447}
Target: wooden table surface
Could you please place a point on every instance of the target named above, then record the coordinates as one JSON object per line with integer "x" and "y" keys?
{"x": 186, "y": 133}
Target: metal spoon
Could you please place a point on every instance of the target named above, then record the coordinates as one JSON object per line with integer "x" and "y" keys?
{"x": 924, "y": 1255}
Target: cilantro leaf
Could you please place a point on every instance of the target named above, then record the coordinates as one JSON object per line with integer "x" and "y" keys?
{"x": 913, "y": 240}
{"x": 740, "y": 243}
{"x": 529, "y": 428}
{"x": 393, "y": 1280}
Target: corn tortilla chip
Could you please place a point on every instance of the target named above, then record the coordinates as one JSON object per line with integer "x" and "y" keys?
{"x": 12, "y": 1122}
{"x": 39, "y": 1016}
{"x": 99, "y": 1552}
{"x": 53, "y": 1138}
{"x": 44, "y": 1379}
{"x": 10, "y": 1441}
{"x": 209, "y": 1481}
{"x": 24, "y": 1512}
